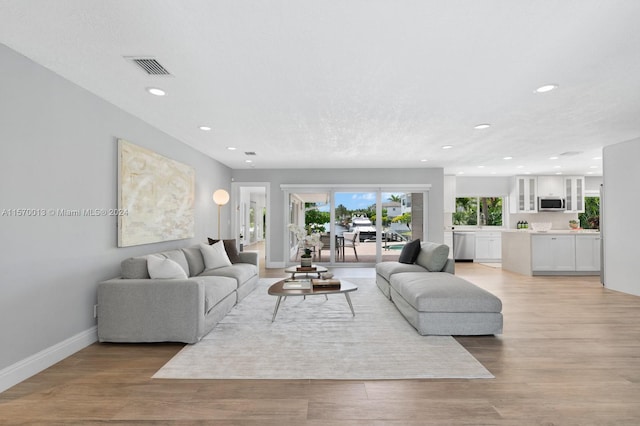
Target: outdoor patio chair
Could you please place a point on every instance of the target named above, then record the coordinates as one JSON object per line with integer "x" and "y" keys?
{"x": 352, "y": 239}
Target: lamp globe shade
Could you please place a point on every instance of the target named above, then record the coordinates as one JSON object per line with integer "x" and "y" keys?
{"x": 221, "y": 197}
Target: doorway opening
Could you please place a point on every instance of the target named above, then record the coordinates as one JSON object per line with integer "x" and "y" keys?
{"x": 249, "y": 221}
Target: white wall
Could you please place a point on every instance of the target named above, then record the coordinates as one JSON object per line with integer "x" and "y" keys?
{"x": 621, "y": 205}
{"x": 483, "y": 186}
{"x": 592, "y": 184}
{"x": 58, "y": 149}
{"x": 275, "y": 228}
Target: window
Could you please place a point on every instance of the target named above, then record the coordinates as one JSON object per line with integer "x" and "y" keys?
{"x": 590, "y": 219}
{"x": 482, "y": 211}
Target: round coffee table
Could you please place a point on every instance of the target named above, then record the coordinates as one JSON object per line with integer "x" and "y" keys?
{"x": 293, "y": 270}
{"x": 277, "y": 289}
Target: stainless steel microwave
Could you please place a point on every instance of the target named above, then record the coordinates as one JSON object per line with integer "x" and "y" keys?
{"x": 551, "y": 204}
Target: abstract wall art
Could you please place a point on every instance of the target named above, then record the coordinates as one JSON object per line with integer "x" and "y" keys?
{"x": 156, "y": 196}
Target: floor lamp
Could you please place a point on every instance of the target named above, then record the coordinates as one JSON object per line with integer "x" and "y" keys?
{"x": 220, "y": 197}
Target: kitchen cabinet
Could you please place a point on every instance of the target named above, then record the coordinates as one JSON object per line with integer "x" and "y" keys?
{"x": 587, "y": 252}
{"x": 553, "y": 253}
{"x": 448, "y": 240}
{"x": 574, "y": 193}
{"x": 550, "y": 186}
{"x": 524, "y": 195}
{"x": 449, "y": 194}
{"x": 488, "y": 246}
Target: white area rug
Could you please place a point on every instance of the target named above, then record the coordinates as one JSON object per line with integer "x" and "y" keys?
{"x": 314, "y": 338}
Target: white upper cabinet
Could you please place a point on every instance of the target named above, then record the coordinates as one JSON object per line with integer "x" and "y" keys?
{"x": 550, "y": 186}
{"x": 574, "y": 193}
{"x": 524, "y": 195}
{"x": 449, "y": 194}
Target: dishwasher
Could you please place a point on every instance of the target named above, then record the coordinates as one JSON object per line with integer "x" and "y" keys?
{"x": 464, "y": 245}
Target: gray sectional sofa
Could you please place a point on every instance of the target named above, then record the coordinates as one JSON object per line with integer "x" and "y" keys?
{"x": 138, "y": 308}
{"x": 436, "y": 302}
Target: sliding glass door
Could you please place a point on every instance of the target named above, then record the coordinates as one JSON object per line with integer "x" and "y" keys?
{"x": 402, "y": 221}
{"x": 308, "y": 226}
{"x": 353, "y": 226}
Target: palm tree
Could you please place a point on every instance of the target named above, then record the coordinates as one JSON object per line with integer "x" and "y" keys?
{"x": 394, "y": 197}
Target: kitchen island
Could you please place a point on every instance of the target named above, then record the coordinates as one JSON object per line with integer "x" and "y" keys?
{"x": 555, "y": 252}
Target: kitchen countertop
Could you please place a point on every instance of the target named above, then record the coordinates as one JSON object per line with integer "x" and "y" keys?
{"x": 477, "y": 230}
{"x": 554, "y": 231}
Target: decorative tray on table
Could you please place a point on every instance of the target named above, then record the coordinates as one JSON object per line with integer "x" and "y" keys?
{"x": 293, "y": 284}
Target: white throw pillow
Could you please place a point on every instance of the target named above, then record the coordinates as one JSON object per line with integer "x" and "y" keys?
{"x": 215, "y": 256}
{"x": 161, "y": 267}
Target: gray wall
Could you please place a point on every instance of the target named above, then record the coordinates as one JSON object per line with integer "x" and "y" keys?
{"x": 275, "y": 229}
{"x": 621, "y": 204}
{"x": 58, "y": 150}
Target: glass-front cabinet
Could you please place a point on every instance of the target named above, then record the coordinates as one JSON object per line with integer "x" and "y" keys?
{"x": 524, "y": 195}
{"x": 574, "y": 193}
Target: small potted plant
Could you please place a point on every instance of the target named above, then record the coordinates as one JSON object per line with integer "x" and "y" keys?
{"x": 574, "y": 224}
{"x": 305, "y": 259}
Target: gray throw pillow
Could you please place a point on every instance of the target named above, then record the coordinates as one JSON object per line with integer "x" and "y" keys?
{"x": 410, "y": 252}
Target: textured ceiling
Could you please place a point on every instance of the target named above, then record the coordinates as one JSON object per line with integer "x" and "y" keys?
{"x": 360, "y": 83}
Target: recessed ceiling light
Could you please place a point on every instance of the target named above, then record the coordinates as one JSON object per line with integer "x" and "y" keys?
{"x": 589, "y": 173}
{"x": 248, "y": 161}
{"x": 558, "y": 173}
{"x": 553, "y": 158}
{"x": 156, "y": 91}
{"x": 460, "y": 173}
{"x": 520, "y": 167}
{"x": 557, "y": 167}
{"x": 424, "y": 160}
{"x": 481, "y": 167}
{"x": 204, "y": 128}
{"x": 508, "y": 158}
{"x": 597, "y": 158}
{"x": 593, "y": 167}
{"x": 447, "y": 147}
{"x": 493, "y": 173}
{"x": 527, "y": 173}
{"x": 546, "y": 88}
{"x": 482, "y": 126}
{"x": 570, "y": 153}
{"x": 231, "y": 148}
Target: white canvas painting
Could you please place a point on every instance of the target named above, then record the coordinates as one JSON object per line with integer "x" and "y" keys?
{"x": 156, "y": 193}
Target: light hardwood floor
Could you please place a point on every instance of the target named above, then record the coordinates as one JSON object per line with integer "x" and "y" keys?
{"x": 569, "y": 355}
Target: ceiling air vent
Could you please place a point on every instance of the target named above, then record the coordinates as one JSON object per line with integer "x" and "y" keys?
{"x": 149, "y": 65}
{"x": 249, "y": 153}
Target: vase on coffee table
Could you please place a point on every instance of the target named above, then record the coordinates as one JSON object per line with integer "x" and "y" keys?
{"x": 305, "y": 259}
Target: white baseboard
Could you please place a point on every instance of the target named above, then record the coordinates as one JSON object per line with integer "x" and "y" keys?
{"x": 22, "y": 370}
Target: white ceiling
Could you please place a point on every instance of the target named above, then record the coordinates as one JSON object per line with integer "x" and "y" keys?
{"x": 358, "y": 83}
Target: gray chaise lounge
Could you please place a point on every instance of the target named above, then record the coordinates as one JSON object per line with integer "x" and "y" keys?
{"x": 436, "y": 302}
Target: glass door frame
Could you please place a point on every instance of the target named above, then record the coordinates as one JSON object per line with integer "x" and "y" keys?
{"x": 331, "y": 189}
